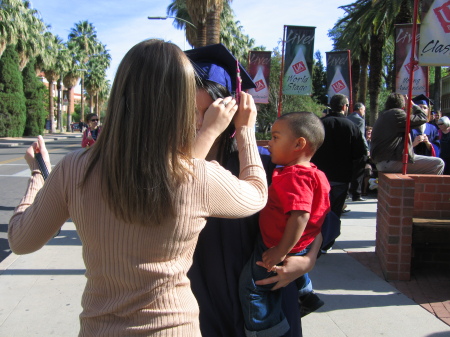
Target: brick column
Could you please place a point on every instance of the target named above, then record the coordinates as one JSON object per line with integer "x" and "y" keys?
{"x": 394, "y": 225}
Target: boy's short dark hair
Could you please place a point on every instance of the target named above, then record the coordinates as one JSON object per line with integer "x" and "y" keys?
{"x": 337, "y": 102}
{"x": 307, "y": 125}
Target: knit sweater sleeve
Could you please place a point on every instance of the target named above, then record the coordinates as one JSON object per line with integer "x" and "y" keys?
{"x": 232, "y": 197}
{"x": 40, "y": 213}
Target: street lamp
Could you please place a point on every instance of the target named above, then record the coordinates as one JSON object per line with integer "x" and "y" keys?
{"x": 170, "y": 17}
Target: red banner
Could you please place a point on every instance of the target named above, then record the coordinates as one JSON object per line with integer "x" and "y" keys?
{"x": 259, "y": 71}
{"x": 403, "y": 65}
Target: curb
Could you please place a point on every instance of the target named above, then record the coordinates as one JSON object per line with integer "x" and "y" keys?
{"x": 7, "y": 262}
{"x": 19, "y": 141}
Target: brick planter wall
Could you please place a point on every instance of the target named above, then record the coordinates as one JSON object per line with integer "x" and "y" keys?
{"x": 400, "y": 198}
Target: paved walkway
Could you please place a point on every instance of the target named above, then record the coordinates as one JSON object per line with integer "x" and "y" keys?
{"x": 40, "y": 292}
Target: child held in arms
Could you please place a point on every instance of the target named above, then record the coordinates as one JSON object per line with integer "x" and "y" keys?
{"x": 296, "y": 208}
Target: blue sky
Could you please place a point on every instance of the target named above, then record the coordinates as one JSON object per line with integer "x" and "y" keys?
{"x": 122, "y": 24}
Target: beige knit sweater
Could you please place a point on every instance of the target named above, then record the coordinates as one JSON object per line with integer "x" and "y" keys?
{"x": 136, "y": 275}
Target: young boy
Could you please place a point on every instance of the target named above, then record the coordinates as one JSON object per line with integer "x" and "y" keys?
{"x": 296, "y": 208}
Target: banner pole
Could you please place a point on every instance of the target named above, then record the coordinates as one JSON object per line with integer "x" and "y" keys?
{"x": 413, "y": 63}
{"x": 280, "y": 93}
{"x": 350, "y": 81}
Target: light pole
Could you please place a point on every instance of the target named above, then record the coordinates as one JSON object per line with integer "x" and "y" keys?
{"x": 172, "y": 17}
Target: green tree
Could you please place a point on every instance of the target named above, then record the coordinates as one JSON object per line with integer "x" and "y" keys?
{"x": 30, "y": 35}
{"x": 12, "y": 100}
{"x": 373, "y": 20}
{"x": 231, "y": 32}
{"x": 319, "y": 80}
{"x": 96, "y": 76}
{"x": 206, "y": 15}
{"x": 70, "y": 80}
{"x": 47, "y": 62}
{"x": 84, "y": 39}
{"x": 34, "y": 91}
{"x": 11, "y": 21}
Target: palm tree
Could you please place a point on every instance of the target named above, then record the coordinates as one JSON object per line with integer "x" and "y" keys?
{"x": 231, "y": 32}
{"x": 70, "y": 80}
{"x": 46, "y": 62}
{"x": 31, "y": 34}
{"x": 11, "y": 21}
{"x": 374, "y": 20}
{"x": 102, "y": 95}
{"x": 213, "y": 26}
{"x": 84, "y": 37}
{"x": 95, "y": 79}
{"x": 205, "y": 15}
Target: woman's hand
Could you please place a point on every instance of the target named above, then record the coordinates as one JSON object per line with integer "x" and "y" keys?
{"x": 215, "y": 120}
{"x": 246, "y": 115}
{"x": 218, "y": 116}
{"x": 37, "y": 147}
{"x": 293, "y": 266}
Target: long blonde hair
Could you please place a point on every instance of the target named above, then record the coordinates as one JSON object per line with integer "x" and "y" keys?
{"x": 145, "y": 146}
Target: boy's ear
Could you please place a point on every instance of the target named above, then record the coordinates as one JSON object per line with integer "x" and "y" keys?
{"x": 300, "y": 143}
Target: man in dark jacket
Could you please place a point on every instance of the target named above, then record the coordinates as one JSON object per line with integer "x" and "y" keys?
{"x": 357, "y": 117}
{"x": 387, "y": 145}
{"x": 342, "y": 145}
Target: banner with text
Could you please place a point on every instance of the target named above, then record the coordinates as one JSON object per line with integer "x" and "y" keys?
{"x": 339, "y": 74}
{"x": 403, "y": 66}
{"x": 434, "y": 45}
{"x": 259, "y": 71}
{"x": 298, "y": 60}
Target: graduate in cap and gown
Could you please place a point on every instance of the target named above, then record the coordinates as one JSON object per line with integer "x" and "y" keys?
{"x": 425, "y": 138}
{"x": 225, "y": 245}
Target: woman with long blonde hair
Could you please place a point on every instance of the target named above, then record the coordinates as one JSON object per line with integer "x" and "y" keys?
{"x": 139, "y": 198}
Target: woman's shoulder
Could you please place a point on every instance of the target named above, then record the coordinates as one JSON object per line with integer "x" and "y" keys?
{"x": 74, "y": 157}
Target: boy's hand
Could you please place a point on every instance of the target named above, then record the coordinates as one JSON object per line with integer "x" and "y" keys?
{"x": 271, "y": 257}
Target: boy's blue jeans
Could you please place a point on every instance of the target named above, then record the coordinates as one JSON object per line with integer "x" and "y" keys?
{"x": 263, "y": 315}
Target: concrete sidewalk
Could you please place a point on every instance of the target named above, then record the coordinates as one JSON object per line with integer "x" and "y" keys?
{"x": 41, "y": 292}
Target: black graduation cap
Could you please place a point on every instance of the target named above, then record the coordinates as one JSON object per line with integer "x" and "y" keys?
{"x": 422, "y": 99}
{"x": 216, "y": 63}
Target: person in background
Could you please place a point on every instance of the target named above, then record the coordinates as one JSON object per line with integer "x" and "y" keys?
{"x": 343, "y": 144}
{"x": 293, "y": 216}
{"x": 225, "y": 245}
{"x": 387, "y": 145}
{"x": 425, "y": 136}
{"x": 140, "y": 197}
{"x": 92, "y": 131}
{"x": 435, "y": 116}
{"x": 444, "y": 136}
{"x": 357, "y": 117}
{"x": 81, "y": 126}
{"x": 370, "y": 169}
